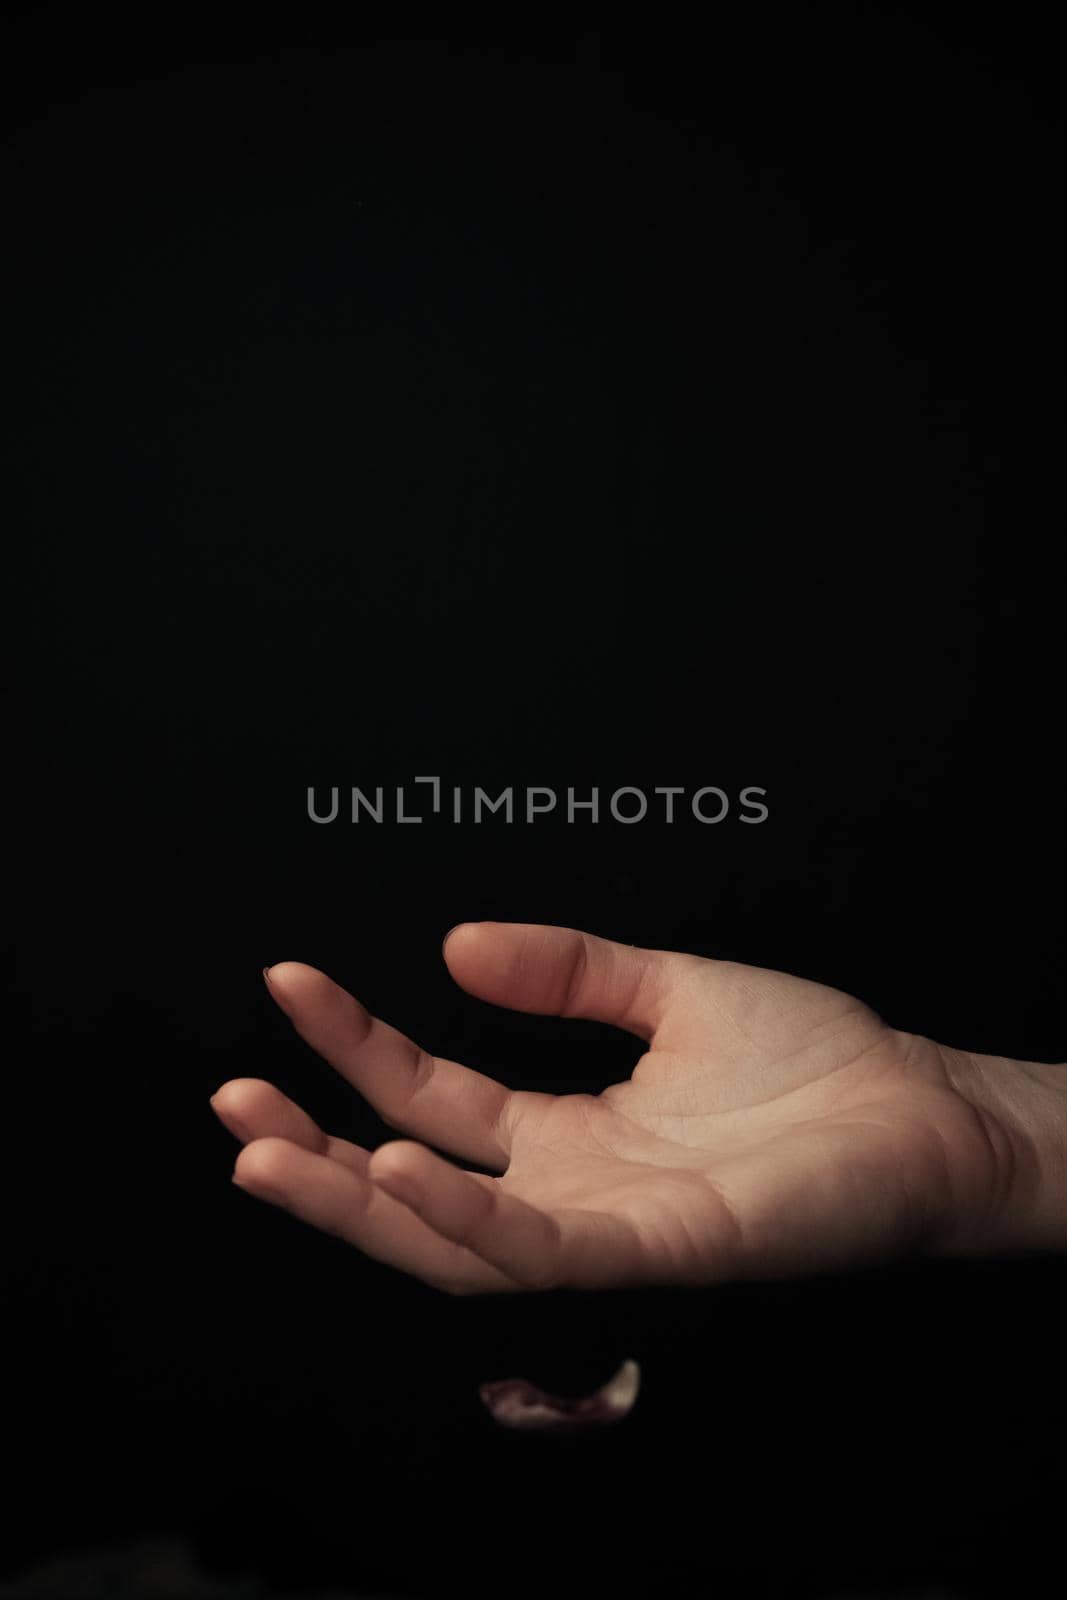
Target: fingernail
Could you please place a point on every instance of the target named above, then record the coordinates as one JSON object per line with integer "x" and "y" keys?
{"x": 266, "y": 973}
{"x": 449, "y": 934}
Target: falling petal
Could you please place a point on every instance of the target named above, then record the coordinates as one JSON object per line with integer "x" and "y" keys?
{"x": 516, "y": 1403}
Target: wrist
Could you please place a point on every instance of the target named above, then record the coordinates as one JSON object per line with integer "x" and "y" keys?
{"x": 1020, "y": 1114}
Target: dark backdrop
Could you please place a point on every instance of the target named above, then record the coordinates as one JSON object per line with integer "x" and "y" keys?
{"x": 591, "y": 401}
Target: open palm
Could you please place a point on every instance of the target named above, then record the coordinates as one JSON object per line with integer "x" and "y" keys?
{"x": 773, "y": 1126}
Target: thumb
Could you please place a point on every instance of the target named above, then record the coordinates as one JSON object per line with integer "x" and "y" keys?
{"x": 561, "y": 972}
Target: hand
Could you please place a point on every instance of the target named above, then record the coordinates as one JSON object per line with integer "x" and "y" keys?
{"x": 772, "y": 1127}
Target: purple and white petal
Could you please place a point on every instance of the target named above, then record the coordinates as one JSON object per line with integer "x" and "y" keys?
{"x": 517, "y": 1403}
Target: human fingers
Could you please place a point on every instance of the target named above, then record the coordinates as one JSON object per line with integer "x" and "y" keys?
{"x": 253, "y": 1109}
{"x": 538, "y": 1249}
{"x": 339, "y": 1201}
{"x": 450, "y": 1106}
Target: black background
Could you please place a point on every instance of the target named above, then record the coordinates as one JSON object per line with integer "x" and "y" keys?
{"x": 587, "y": 401}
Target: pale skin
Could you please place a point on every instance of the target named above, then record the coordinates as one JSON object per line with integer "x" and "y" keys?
{"x": 772, "y": 1127}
